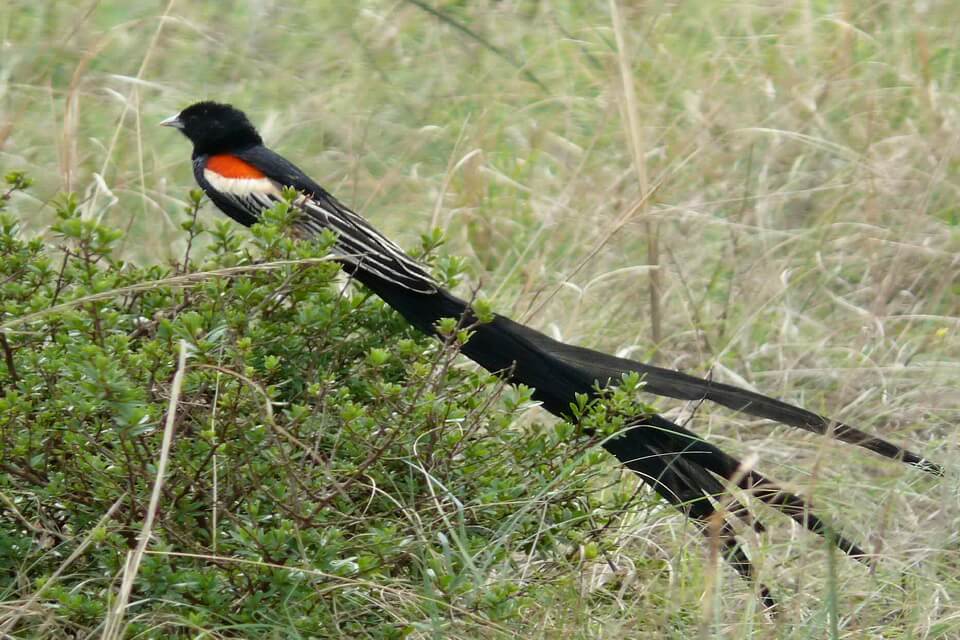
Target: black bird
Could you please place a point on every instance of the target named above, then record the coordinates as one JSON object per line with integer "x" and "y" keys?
{"x": 244, "y": 178}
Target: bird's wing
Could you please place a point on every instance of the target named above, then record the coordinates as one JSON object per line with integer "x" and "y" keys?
{"x": 358, "y": 243}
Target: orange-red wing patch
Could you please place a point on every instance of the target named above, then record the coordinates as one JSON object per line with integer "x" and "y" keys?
{"x": 233, "y": 167}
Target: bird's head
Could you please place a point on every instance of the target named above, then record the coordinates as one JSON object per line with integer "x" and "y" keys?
{"x": 214, "y": 128}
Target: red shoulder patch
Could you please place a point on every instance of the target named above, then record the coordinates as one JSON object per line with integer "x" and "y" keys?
{"x": 233, "y": 167}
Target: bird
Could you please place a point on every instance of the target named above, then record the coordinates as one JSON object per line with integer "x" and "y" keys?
{"x": 244, "y": 178}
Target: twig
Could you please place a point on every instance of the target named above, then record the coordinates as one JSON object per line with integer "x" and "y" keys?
{"x": 8, "y": 625}
{"x": 36, "y": 529}
{"x": 192, "y": 233}
{"x": 8, "y": 357}
{"x": 186, "y": 280}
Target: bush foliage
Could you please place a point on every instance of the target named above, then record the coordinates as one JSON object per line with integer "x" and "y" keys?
{"x": 333, "y": 472}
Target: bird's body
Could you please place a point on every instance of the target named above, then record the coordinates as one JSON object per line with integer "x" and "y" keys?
{"x": 244, "y": 178}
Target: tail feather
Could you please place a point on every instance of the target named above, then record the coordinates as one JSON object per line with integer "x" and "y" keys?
{"x": 678, "y": 478}
{"x": 559, "y": 371}
{"x": 605, "y": 368}
{"x": 682, "y": 468}
{"x": 798, "y": 509}
{"x": 729, "y": 468}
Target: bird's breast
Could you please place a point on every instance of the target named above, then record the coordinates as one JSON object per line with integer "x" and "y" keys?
{"x": 234, "y": 176}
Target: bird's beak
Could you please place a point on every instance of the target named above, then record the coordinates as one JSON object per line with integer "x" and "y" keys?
{"x": 173, "y": 121}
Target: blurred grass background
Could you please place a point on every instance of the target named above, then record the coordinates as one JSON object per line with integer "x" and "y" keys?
{"x": 796, "y": 162}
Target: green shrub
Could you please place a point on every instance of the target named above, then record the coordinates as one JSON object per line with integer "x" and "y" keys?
{"x": 333, "y": 472}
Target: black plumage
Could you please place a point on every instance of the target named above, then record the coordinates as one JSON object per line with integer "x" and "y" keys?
{"x": 682, "y": 468}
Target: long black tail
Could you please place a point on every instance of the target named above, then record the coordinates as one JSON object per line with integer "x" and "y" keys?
{"x": 682, "y": 468}
{"x": 674, "y": 384}
{"x": 559, "y": 371}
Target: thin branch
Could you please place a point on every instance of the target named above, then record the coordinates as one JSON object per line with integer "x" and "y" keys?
{"x": 21, "y": 610}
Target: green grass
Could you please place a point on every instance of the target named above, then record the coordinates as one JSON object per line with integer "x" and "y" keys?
{"x": 801, "y": 172}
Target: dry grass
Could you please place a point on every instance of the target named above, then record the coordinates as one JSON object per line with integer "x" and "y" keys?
{"x": 798, "y": 161}
{"x": 113, "y": 626}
